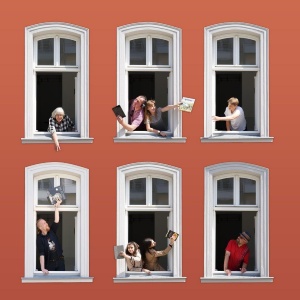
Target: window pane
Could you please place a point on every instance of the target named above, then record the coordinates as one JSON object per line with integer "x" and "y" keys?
{"x": 160, "y": 192}
{"x": 137, "y": 192}
{"x": 160, "y": 52}
{"x": 46, "y": 52}
{"x": 225, "y": 191}
{"x": 225, "y": 52}
{"x": 247, "y": 191}
{"x": 138, "y": 52}
{"x": 43, "y": 186}
{"x": 69, "y": 187}
{"x": 67, "y": 52}
{"x": 247, "y": 52}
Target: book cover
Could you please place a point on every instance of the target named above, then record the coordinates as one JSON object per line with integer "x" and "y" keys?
{"x": 118, "y": 111}
{"x": 117, "y": 250}
{"x": 187, "y": 104}
{"x": 56, "y": 193}
{"x": 170, "y": 233}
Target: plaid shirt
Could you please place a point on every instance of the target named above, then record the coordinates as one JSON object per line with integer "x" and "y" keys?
{"x": 66, "y": 124}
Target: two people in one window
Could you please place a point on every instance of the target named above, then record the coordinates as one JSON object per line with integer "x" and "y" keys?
{"x": 48, "y": 245}
{"x": 145, "y": 259}
{"x": 237, "y": 254}
{"x": 143, "y": 115}
{"x": 59, "y": 122}
{"x": 234, "y": 116}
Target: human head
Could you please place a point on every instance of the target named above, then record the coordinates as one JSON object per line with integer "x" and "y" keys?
{"x": 58, "y": 114}
{"x": 150, "y": 106}
{"x": 141, "y": 100}
{"x": 132, "y": 248}
{"x": 232, "y": 103}
{"x": 42, "y": 226}
{"x": 244, "y": 237}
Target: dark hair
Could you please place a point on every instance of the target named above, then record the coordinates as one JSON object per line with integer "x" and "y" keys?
{"x": 136, "y": 247}
{"x": 145, "y": 246}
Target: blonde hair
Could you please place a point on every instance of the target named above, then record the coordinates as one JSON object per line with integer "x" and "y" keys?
{"x": 233, "y": 101}
{"x": 58, "y": 110}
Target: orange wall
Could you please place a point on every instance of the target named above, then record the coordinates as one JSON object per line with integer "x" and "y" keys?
{"x": 103, "y": 156}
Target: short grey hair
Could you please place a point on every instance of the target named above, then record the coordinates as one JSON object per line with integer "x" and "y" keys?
{"x": 58, "y": 110}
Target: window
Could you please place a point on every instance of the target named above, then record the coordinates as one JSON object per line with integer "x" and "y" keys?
{"x": 73, "y": 230}
{"x": 236, "y": 65}
{"x": 56, "y": 75}
{"x": 149, "y": 64}
{"x": 148, "y": 204}
{"x": 236, "y": 199}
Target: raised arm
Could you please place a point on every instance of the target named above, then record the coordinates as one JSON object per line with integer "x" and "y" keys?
{"x": 169, "y": 107}
{"x": 56, "y": 213}
{"x": 125, "y": 124}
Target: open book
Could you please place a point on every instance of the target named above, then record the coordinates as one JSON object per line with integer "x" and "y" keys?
{"x": 186, "y": 104}
{"x": 118, "y": 111}
{"x": 117, "y": 250}
{"x": 56, "y": 193}
{"x": 170, "y": 233}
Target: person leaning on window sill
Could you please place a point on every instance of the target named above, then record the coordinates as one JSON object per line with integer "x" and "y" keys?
{"x": 59, "y": 122}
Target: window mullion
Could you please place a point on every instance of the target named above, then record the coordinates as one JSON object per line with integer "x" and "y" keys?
{"x": 236, "y": 52}
{"x": 149, "y": 190}
{"x": 149, "y": 51}
{"x": 56, "y": 180}
{"x": 56, "y": 51}
{"x": 236, "y": 191}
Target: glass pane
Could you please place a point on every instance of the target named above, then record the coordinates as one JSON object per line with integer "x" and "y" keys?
{"x": 247, "y": 52}
{"x": 225, "y": 191}
{"x": 138, "y": 52}
{"x": 137, "y": 192}
{"x": 43, "y": 186}
{"x": 46, "y": 52}
{"x": 247, "y": 191}
{"x": 160, "y": 192}
{"x": 225, "y": 52}
{"x": 67, "y": 52}
{"x": 160, "y": 52}
{"x": 69, "y": 187}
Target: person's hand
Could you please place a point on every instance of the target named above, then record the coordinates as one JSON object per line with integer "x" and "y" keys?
{"x": 58, "y": 202}
{"x": 162, "y": 133}
{"x": 45, "y": 271}
{"x": 122, "y": 253}
{"x": 243, "y": 270}
{"x": 172, "y": 239}
{"x": 146, "y": 271}
{"x": 214, "y": 118}
{"x": 228, "y": 272}
{"x": 120, "y": 120}
{"x": 57, "y": 146}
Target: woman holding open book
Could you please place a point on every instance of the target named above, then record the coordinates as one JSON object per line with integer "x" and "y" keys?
{"x": 153, "y": 117}
{"x": 150, "y": 255}
{"x": 133, "y": 258}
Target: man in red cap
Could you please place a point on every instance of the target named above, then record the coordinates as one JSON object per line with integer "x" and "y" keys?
{"x": 237, "y": 254}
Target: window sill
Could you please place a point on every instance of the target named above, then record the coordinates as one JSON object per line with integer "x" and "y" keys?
{"x": 148, "y": 278}
{"x": 234, "y": 279}
{"x": 235, "y": 138}
{"x": 61, "y": 139}
{"x": 149, "y": 139}
{"x": 56, "y": 278}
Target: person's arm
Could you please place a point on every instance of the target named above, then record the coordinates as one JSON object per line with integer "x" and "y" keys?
{"x": 228, "y": 125}
{"x": 53, "y": 133}
{"x": 227, "y": 118}
{"x": 168, "y": 107}
{"x": 125, "y": 124}
{"x": 42, "y": 263}
{"x": 158, "y": 132}
{"x": 55, "y": 140}
{"x": 56, "y": 213}
{"x": 226, "y": 259}
{"x": 166, "y": 251}
{"x": 244, "y": 268}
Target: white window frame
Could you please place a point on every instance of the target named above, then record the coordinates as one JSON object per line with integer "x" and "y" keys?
{"x": 157, "y": 170}
{"x": 234, "y": 30}
{"x": 147, "y": 30}
{"x": 233, "y": 169}
{"x": 81, "y": 36}
{"x": 81, "y": 175}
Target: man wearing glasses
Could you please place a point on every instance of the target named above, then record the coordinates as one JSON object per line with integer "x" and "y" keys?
{"x": 237, "y": 254}
{"x": 136, "y": 115}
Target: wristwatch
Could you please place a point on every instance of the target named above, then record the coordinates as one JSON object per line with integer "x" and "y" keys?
{"x": 158, "y": 132}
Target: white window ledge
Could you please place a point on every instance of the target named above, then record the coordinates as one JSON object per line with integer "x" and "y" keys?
{"x": 233, "y": 138}
{"x": 148, "y": 278}
{"x": 56, "y": 278}
{"x": 235, "y": 279}
{"x": 62, "y": 140}
{"x": 149, "y": 139}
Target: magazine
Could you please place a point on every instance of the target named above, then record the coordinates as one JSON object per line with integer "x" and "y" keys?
{"x": 56, "y": 193}
{"x": 170, "y": 233}
{"x": 118, "y": 111}
{"x": 186, "y": 104}
{"x": 117, "y": 250}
